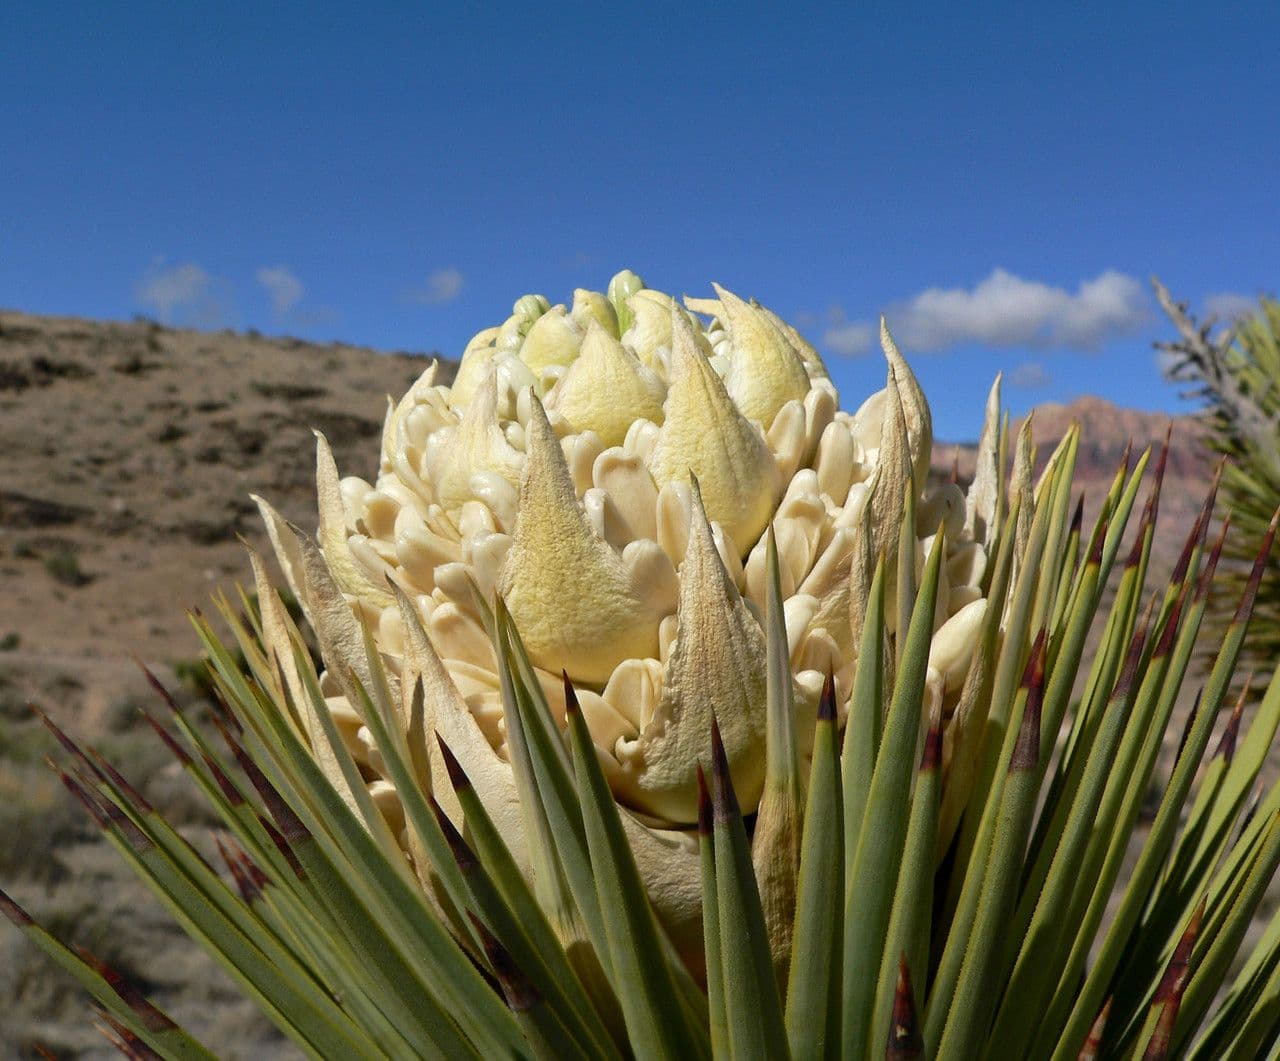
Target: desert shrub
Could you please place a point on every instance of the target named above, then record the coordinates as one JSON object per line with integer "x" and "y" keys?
{"x": 63, "y": 565}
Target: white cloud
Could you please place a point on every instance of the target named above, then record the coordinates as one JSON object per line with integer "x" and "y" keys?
{"x": 1230, "y": 307}
{"x": 284, "y": 289}
{"x": 1006, "y": 310}
{"x": 178, "y": 291}
{"x": 443, "y": 285}
{"x": 1030, "y": 376}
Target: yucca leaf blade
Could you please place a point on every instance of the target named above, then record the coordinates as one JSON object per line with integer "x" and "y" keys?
{"x": 870, "y": 886}
{"x": 120, "y": 998}
{"x": 960, "y": 1027}
{"x": 718, "y": 1018}
{"x": 753, "y": 1011}
{"x": 863, "y": 726}
{"x": 813, "y": 987}
{"x": 656, "y": 1020}
{"x": 907, "y": 937}
{"x": 521, "y": 905}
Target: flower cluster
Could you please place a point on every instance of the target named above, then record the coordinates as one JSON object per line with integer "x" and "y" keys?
{"x": 609, "y": 470}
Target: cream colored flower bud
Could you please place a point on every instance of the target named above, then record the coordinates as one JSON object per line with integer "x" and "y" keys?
{"x": 591, "y": 306}
{"x": 765, "y": 371}
{"x": 954, "y": 644}
{"x": 705, "y": 433}
{"x": 607, "y": 389}
{"x": 579, "y": 605}
{"x": 554, "y": 339}
{"x": 621, "y": 288}
{"x": 528, "y": 308}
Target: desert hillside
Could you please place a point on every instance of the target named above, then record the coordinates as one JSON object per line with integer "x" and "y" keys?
{"x": 127, "y": 456}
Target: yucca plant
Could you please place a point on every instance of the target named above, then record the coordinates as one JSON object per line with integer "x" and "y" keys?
{"x": 1235, "y": 372}
{"x": 666, "y": 712}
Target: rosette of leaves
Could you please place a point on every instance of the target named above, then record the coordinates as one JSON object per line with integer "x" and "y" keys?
{"x": 958, "y": 861}
{"x": 1235, "y": 372}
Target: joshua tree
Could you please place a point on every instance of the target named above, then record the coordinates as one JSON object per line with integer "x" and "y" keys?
{"x": 1235, "y": 370}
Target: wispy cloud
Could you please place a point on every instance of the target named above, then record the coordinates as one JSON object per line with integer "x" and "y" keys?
{"x": 442, "y": 286}
{"x": 180, "y": 293}
{"x": 1229, "y": 307}
{"x": 282, "y": 286}
{"x": 841, "y": 335}
{"x": 1030, "y": 376}
{"x": 1007, "y": 310}
{"x": 849, "y": 338}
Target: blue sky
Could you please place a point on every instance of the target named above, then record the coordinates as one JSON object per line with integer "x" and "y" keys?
{"x": 1000, "y": 179}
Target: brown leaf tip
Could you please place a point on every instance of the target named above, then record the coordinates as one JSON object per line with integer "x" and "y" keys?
{"x": 1157, "y": 481}
{"x": 1139, "y": 539}
{"x": 283, "y": 846}
{"x": 1165, "y": 645}
{"x": 292, "y": 827}
{"x": 520, "y": 993}
{"x": 1231, "y": 732}
{"x": 1033, "y": 672}
{"x": 249, "y": 890}
{"x": 705, "y": 813}
{"x": 931, "y": 756}
{"x": 1128, "y": 679}
{"x": 1174, "y": 981}
{"x": 1099, "y": 540}
{"x": 121, "y": 782}
{"x": 724, "y": 799}
{"x": 1211, "y": 565}
{"x": 220, "y": 778}
{"x": 457, "y": 776}
{"x": 90, "y": 803}
{"x": 905, "y": 1041}
{"x": 129, "y": 1044}
{"x": 14, "y": 912}
{"x": 1026, "y": 752}
{"x": 827, "y": 701}
{"x": 158, "y": 686}
{"x": 1199, "y": 530}
{"x": 68, "y": 745}
{"x": 1259, "y": 566}
{"x": 134, "y": 836}
{"x": 130, "y": 994}
{"x": 179, "y": 752}
{"x": 571, "y": 707}
{"x": 462, "y": 853}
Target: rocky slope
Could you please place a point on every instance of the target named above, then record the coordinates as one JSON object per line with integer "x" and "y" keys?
{"x": 127, "y": 456}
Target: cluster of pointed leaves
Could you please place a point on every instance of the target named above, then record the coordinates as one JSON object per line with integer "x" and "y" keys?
{"x": 961, "y": 891}
{"x": 1236, "y": 373}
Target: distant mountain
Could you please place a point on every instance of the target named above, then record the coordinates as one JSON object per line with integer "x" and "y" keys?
{"x": 1106, "y": 430}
